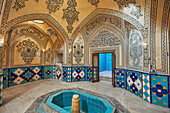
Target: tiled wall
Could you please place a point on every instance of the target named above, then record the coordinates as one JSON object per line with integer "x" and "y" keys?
{"x": 152, "y": 88}
{"x": 75, "y": 74}
{"x": 1, "y": 80}
{"x": 21, "y": 75}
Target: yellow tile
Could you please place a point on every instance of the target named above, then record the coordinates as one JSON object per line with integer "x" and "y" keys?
{"x": 154, "y": 100}
{"x": 159, "y": 98}
{"x": 154, "y": 78}
{"x": 159, "y": 83}
{"x": 164, "y": 80}
{"x": 154, "y": 93}
{"x": 164, "y": 103}
{"x": 164, "y": 95}
{"x": 164, "y": 87}
{"x": 154, "y": 86}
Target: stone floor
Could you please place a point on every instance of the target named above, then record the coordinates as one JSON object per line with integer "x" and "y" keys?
{"x": 19, "y": 98}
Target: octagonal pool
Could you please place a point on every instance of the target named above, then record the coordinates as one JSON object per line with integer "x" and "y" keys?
{"x": 61, "y": 102}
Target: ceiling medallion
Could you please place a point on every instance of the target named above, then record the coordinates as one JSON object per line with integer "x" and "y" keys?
{"x": 54, "y": 5}
{"x": 70, "y": 14}
{"x": 94, "y": 2}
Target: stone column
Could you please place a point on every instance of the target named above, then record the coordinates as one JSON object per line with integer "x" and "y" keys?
{"x": 75, "y": 104}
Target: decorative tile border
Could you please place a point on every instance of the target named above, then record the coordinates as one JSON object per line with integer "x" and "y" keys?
{"x": 21, "y": 75}
{"x": 120, "y": 75}
{"x": 146, "y": 87}
{"x": 1, "y": 86}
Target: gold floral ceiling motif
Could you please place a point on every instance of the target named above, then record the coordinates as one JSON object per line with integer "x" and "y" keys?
{"x": 33, "y": 31}
{"x": 94, "y": 2}
{"x": 20, "y": 4}
{"x": 54, "y": 5}
{"x": 70, "y": 14}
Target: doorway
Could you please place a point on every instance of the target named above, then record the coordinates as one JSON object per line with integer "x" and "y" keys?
{"x": 103, "y": 66}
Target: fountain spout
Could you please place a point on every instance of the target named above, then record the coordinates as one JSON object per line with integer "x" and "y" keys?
{"x": 75, "y": 104}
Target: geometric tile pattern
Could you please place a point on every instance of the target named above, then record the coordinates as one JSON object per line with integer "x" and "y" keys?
{"x": 64, "y": 74}
{"x": 24, "y": 75}
{"x": 89, "y": 74}
{"x": 159, "y": 90}
{"x": 120, "y": 80}
{"x": 95, "y": 74}
{"x": 134, "y": 82}
{"x": 58, "y": 72}
{"x": 54, "y": 71}
{"x": 1, "y": 83}
{"x": 48, "y": 72}
{"x": 69, "y": 74}
{"x": 5, "y": 78}
{"x": 78, "y": 74}
{"x": 146, "y": 87}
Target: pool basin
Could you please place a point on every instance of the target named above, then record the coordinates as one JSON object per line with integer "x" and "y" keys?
{"x": 61, "y": 102}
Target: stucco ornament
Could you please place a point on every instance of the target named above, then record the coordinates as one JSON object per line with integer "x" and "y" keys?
{"x": 70, "y": 14}
{"x": 105, "y": 38}
{"x": 124, "y": 3}
{"x": 54, "y": 5}
{"x": 28, "y": 50}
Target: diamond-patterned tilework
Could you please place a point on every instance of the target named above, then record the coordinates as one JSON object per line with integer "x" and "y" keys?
{"x": 89, "y": 73}
{"x": 25, "y": 74}
{"x": 65, "y": 74}
{"x": 48, "y": 72}
{"x": 159, "y": 90}
{"x": 146, "y": 87}
{"x": 1, "y": 83}
{"x": 58, "y": 72}
{"x": 5, "y": 78}
{"x": 78, "y": 74}
{"x": 120, "y": 80}
{"x": 134, "y": 82}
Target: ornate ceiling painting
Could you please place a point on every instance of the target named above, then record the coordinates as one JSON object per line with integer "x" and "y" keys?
{"x": 33, "y": 31}
{"x": 70, "y": 14}
{"x": 54, "y": 5}
{"x": 28, "y": 50}
{"x": 135, "y": 10}
{"x": 20, "y": 4}
{"x": 124, "y": 3}
{"x": 94, "y": 2}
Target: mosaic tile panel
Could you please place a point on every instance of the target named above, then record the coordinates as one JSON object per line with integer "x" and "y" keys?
{"x": 5, "y": 78}
{"x": 95, "y": 74}
{"x": 1, "y": 86}
{"x": 78, "y": 74}
{"x": 48, "y": 72}
{"x": 89, "y": 74}
{"x": 65, "y": 74}
{"x": 134, "y": 82}
{"x": 159, "y": 90}
{"x": 24, "y": 75}
{"x": 54, "y": 71}
{"x": 69, "y": 75}
{"x": 120, "y": 80}
{"x": 58, "y": 72}
{"x": 146, "y": 87}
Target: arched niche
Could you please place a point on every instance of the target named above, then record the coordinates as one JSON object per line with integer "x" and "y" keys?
{"x": 107, "y": 38}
